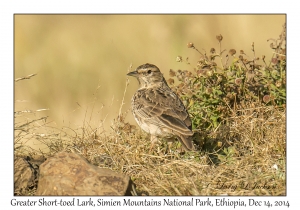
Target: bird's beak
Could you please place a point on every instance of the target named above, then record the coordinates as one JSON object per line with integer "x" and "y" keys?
{"x": 133, "y": 73}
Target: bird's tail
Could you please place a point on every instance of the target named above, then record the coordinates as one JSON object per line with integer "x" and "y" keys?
{"x": 187, "y": 142}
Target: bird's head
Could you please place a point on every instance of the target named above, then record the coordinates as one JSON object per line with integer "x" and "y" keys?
{"x": 148, "y": 75}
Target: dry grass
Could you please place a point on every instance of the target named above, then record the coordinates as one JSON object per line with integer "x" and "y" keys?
{"x": 250, "y": 160}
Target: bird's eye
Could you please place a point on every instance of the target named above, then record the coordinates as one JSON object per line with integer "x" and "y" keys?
{"x": 149, "y": 71}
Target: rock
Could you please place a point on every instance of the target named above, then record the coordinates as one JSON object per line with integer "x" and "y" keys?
{"x": 26, "y": 173}
{"x": 70, "y": 174}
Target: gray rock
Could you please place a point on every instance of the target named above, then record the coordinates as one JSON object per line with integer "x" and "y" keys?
{"x": 70, "y": 174}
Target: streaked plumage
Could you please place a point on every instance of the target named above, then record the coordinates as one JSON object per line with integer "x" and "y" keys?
{"x": 157, "y": 109}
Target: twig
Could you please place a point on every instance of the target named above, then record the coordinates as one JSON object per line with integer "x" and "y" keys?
{"x": 26, "y": 77}
{"x": 126, "y": 85}
{"x": 42, "y": 118}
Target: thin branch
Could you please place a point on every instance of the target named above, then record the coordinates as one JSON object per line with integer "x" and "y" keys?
{"x": 26, "y": 77}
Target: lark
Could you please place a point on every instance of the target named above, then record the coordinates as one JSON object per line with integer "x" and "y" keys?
{"x": 158, "y": 110}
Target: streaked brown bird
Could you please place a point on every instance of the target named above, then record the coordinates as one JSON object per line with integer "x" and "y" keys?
{"x": 158, "y": 110}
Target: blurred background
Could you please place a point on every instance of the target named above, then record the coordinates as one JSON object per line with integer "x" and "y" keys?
{"x": 81, "y": 61}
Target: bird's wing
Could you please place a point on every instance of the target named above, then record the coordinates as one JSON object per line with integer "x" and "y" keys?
{"x": 164, "y": 108}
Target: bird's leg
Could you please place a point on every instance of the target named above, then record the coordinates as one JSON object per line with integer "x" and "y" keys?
{"x": 169, "y": 144}
{"x": 154, "y": 140}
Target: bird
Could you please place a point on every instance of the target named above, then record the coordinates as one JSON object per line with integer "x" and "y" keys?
{"x": 158, "y": 110}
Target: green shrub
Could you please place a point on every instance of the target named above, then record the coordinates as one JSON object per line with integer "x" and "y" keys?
{"x": 214, "y": 93}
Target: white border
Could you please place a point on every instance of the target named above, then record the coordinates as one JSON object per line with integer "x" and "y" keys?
{"x": 8, "y": 8}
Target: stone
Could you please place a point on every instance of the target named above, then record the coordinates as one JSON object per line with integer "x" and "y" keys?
{"x": 70, "y": 174}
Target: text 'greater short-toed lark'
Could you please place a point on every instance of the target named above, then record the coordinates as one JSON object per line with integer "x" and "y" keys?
{"x": 157, "y": 109}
